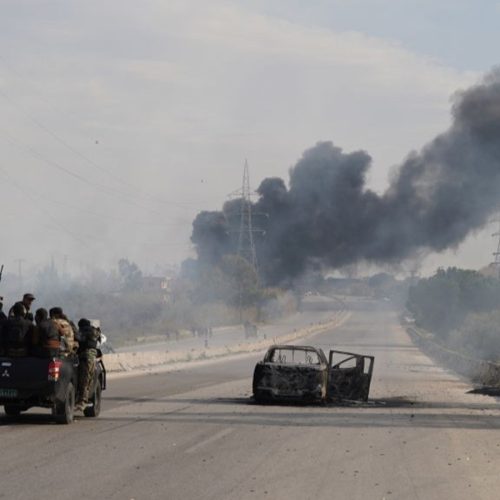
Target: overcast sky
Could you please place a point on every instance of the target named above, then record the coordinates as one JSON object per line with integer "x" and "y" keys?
{"x": 120, "y": 120}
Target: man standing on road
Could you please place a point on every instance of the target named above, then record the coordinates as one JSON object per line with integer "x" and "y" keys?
{"x": 88, "y": 336}
{"x": 28, "y": 299}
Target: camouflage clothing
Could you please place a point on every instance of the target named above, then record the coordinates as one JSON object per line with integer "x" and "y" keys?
{"x": 67, "y": 335}
{"x": 86, "y": 374}
{"x": 88, "y": 338}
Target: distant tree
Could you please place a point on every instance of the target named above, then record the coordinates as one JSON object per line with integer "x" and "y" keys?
{"x": 47, "y": 279}
{"x": 232, "y": 281}
{"x": 130, "y": 275}
{"x": 479, "y": 335}
{"x": 242, "y": 281}
{"x": 442, "y": 302}
{"x": 381, "y": 280}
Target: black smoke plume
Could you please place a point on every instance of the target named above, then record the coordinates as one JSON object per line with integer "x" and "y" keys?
{"x": 327, "y": 216}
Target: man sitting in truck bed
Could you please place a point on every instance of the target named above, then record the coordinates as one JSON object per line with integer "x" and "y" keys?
{"x": 17, "y": 333}
{"x": 48, "y": 343}
{"x": 69, "y": 344}
{"x": 3, "y": 316}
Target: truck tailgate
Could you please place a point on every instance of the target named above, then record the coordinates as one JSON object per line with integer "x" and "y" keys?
{"x": 23, "y": 373}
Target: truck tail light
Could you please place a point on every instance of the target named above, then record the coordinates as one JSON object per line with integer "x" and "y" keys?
{"x": 54, "y": 370}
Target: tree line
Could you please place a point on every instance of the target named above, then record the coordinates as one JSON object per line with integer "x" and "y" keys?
{"x": 462, "y": 308}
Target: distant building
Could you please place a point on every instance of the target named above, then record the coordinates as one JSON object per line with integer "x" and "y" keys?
{"x": 157, "y": 285}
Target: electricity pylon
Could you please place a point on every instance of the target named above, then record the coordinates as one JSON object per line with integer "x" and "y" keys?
{"x": 246, "y": 246}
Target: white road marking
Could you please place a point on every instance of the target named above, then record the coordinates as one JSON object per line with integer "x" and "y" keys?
{"x": 209, "y": 440}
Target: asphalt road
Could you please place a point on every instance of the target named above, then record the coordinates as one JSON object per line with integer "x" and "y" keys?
{"x": 196, "y": 435}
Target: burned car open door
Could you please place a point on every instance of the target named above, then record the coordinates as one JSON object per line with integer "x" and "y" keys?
{"x": 349, "y": 376}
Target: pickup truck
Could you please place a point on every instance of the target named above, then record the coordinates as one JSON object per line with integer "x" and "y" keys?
{"x": 47, "y": 383}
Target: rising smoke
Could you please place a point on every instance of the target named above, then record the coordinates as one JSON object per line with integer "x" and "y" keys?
{"x": 327, "y": 216}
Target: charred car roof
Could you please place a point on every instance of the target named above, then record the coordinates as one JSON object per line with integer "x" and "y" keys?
{"x": 294, "y": 354}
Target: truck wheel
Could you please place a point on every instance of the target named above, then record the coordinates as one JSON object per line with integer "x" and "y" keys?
{"x": 95, "y": 409}
{"x": 64, "y": 412}
{"x": 12, "y": 410}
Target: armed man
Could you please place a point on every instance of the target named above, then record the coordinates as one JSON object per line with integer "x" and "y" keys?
{"x": 88, "y": 338}
{"x": 28, "y": 299}
{"x": 3, "y": 317}
{"x": 48, "y": 341}
{"x": 17, "y": 333}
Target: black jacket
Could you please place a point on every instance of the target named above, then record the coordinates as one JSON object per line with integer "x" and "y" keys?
{"x": 28, "y": 314}
{"x": 3, "y": 321}
{"x": 47, "y": 330}
{"x": 88, "y": 337}
{"x": 17, "y": 336}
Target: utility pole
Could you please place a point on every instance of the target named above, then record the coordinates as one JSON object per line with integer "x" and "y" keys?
{"x": 20, "y": 271}
{"x": 65, "y": 266}
{"x": 245, "y": 242}
{"x": 20, "y": 274}
{"x": 246, "y": 246}
{"x": 496, "y": 262}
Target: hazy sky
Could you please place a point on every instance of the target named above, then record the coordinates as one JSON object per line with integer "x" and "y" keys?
{"x": 120, "y": 120}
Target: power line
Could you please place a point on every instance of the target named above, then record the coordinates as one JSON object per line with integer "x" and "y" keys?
{"x": 124, "y": 198}
{"x": 89, "y": 240}
{"x": 99, "y": 215}
{"x": 48, "y": 214}
{"x": 85, "y": 158}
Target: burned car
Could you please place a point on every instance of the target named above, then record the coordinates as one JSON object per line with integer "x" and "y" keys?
{"x": 304, "y": 373}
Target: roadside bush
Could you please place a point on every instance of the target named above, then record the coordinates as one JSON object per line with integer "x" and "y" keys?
{"x": 479, "y": 336}
{"x": 441, "y": 303}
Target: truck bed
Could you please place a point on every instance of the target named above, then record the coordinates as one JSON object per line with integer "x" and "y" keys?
{"x": 25, "y": 381}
